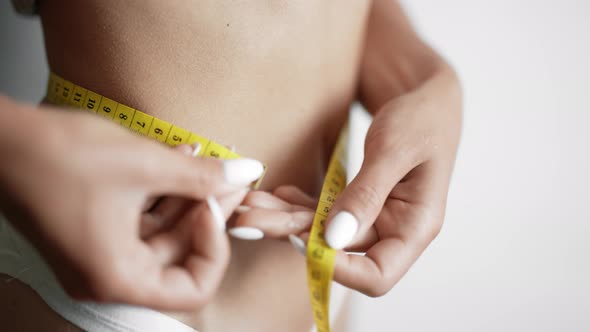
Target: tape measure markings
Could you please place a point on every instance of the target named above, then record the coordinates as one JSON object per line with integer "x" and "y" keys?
{"x": 63, "y": 92}
{"x": 320, "y": 257}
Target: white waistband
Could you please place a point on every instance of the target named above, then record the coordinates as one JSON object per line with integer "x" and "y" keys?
{"x": 21, "y": 261}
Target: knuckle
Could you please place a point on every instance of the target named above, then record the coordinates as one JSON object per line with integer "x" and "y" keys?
{"x": 378, "y": 288}
{"x": 374, "y": 291}
{"x": 431, "y": 226}
{"x": 367, "y": 196}
{"x": 435, "y": 229}
{"x": 379, "y": 282}
{"x": 207, "y": 173}
{"x": 378, "y": 140}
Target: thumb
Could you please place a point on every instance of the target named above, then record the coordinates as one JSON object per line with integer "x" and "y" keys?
{"x": 197, "y": 178}
{"x": 358, "y": 206}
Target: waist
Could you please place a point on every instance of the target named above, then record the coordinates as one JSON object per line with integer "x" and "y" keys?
{"x": 275, "y": 83}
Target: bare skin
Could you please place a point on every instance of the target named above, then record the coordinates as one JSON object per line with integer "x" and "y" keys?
{"x": 273, "y": 78}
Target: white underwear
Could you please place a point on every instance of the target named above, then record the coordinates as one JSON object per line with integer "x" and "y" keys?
{"x": 20, "y": 260}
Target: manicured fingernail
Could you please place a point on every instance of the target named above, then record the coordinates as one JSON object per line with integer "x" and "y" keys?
{"x": 196, "y": 149}
{"x": 216, "y": 212}
{"x": 242, "y": 209}
{"x": 246, "y": 233}
{"x": 341, "y": 230}
{"x": 298, "y": 244}
{"x": 243, "y": 171}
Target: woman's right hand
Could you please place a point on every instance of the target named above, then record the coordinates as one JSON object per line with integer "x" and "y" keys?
{"x": 76, "y": 186}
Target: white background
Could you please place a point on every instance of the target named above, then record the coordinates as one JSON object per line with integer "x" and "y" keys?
{"x": 513, "y": 254}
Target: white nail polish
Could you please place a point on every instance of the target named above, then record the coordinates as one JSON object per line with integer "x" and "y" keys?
{"x": 341, "y": 230}
{"x": 216, "y": 212}
{"x": 246, "y": 233}
{"x": 243, "y": 171}
{"x": 242, "y": 209}
{"x": 196, "y": 149}
{"x": 298, "y": 244}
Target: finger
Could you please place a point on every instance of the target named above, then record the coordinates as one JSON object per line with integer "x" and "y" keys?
{"x": 258, "y": 223}
{"x": 185, "y": 150}
{"x": 357, "y": 207}
{"x": 263, "y": 214}
{"x": 406, "y": 229}
{"x": 162, "y": 210}
{"x": 172, "y": 173}
{"x": 376, "y": 272}
{"x": 265, "y": 200}
{"x": 163, "y": 215}
{"x": 360, "y": 246}
{"x": 295, "y": 195}
{"x": 191, "y": 283}
{"x": 172, "y": 245}
{"x": 373, "y": 273}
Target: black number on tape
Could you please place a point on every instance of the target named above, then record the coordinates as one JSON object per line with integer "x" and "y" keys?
{"x": 122, "y": 116}
{"x": 158, "y": 131}
{"x": 90, "y": 104}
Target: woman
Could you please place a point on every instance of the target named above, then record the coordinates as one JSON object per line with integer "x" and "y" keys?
{"x": 274, "y": 78}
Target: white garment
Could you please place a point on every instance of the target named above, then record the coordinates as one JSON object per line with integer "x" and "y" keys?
{"x": 21, "y": 260}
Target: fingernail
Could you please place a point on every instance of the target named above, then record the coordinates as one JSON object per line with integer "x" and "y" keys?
{"x": 298, "y": 244}
{"x": 341, "y": 230}
{"x": 246, "y": 233}
{"x": 216, "y": 212}
{"x": 243, "y": 171}
{"x": 196, "y": 149}
{"x": 242, "y": 209}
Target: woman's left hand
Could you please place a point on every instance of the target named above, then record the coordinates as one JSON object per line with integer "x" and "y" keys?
{"x": 395, "y": 205}
{"x": 392, "y": 209}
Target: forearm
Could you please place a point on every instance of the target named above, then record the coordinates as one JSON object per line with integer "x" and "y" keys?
{"x": 22, "y": 130}
{"x": 397, "y": 61}
{"x": 14, "y": 119}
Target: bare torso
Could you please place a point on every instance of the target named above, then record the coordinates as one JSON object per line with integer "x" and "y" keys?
{"x": 274, "y": 78}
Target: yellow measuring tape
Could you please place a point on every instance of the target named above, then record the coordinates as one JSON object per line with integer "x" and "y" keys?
{"x": 63, "y": 92}
{"x": 320, "y": 257}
